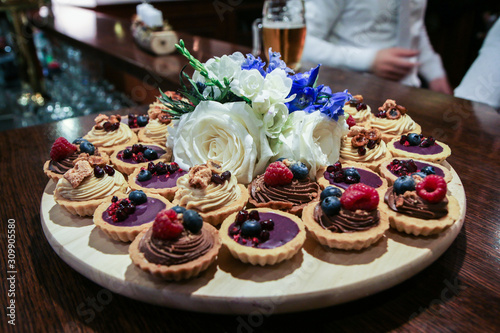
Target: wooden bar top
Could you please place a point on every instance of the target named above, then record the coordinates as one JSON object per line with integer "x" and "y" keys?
{"x": 460, "y": 292}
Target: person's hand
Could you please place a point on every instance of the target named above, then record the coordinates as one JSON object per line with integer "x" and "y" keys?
{"x": 441, "y": 85}
{"x": 393, "y": 63}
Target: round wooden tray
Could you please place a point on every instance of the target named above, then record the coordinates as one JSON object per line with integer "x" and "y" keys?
{"x": 316, "y": 277}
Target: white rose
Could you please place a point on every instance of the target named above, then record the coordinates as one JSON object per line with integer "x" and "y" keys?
{"x": 220, "y": 68}
{"x": 277, "y": 86}
{"x": 229, "y": 133}
{"x": 248, "y": 83}
{"x": 274, "y": 119}
{"x": 314, "y": 139}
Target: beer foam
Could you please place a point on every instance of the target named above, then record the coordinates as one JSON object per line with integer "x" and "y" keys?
{"x": 282, "y": 25}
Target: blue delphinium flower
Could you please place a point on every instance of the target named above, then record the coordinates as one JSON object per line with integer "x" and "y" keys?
{"x": 304, "y": 100}
{"x": 276, "y": 62}
{"x": 303, "y": 80}
{"x": 334, "y": 105}
{"x": 254, "y": 63}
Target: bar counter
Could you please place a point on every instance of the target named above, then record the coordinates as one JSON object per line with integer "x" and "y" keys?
{"x": 459, "y": 292}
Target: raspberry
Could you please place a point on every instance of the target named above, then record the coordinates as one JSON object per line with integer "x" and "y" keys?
{"x": 61, "y": 149}
{"x": 277, "y": 173}
{"x": 432, "y": 188}
{"x": 164, "y": 227}
{"x": 360, "y": 196}
{"x": 350, "y": 121}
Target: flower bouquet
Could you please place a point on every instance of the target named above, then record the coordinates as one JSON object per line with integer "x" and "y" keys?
{"x": 244, "y": 114}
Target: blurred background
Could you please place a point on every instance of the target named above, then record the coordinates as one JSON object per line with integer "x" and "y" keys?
{"x": 45, "y": 77}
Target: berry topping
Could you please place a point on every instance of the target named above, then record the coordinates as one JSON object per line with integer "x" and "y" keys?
{"x": 352, "y": 176}
{"x": 79, "y": 141}
{"x": 241, "y": 217}
{"x": 136, "y": 148}
{"x": 277, "y": 173}
{"x": 403, "y": 184}
{"x": 127, "y": 153}
{"x": 142, "y": 120}
{"x": 172, "y": 167}
{"x": 360, "y": 196}
{"x": 361, "y": 151}
{"x": 351, "y": 121}
{"x": 192, "y": 221}
{"x": 150, "y": 154}
{"x": 330, "y": 191}
{"x": 267, "y": 224}
{"x": 98, "y": 172}
{"x": 254, "y": 215}
{"x": 251, "y": 228}
{"x": 402, "y": 167}
{"x": 87, "y": 147}
{"x": 414, "y": 139}
{"x": 109, "y": 170}
{"x": 179, "y": 209}
{"x": 160, "y": 168}
{"x": 119, "y": 210}
{"x": 138, "y": 197}
{"x": 166, "y": 228}
{"x": 299, "y": 170}
{"x": 417, "y": 176}
{"x": 331, "y": 205}
{"x": 428, "y": 170}
{"x": 432, "y": 189}
{"x": 144, "y": 175}
{"x": 427, "y": 142}
{"x": 61, "y": 149}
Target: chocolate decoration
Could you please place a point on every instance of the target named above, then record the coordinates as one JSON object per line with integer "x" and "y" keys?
{"x": 346, "y": 220}
{"x": 414, "y": 206}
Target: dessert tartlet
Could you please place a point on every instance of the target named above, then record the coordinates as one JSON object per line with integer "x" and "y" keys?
{"x": 421, "y": 207}
{"x": 136, "y": 122}
{"x": 64, "y": 155}
{"x": 178, "y": 246}
{"x": 392, "y": 121}
{"x": 343, "y": 175}
{"x": 394, "y": 168}
{"x": 109, "y": 132}
{"x": 285, "y": 185}
{"x": 210, "y": 191}
{"x": 418, "y": 147}
{"x": 86, "y": 186}
{"x": 351, "y": 222}
{"x": 128, "y": 158}
{"x": 358, "y": 110}
{"x": 364, "y": 146}
{"x": 262, "y": 236}
{"x": 156, "y": 130}
{"x": 157, "y": 178}
{"x": 124, "y": 216}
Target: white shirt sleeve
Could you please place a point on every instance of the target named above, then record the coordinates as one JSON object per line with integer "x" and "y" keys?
{"x": 431, "y": 66}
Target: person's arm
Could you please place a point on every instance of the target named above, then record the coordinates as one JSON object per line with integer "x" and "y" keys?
{"x": 431, "y": 67}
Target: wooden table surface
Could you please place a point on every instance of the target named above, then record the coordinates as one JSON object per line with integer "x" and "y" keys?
{"x": 460, "y": 292}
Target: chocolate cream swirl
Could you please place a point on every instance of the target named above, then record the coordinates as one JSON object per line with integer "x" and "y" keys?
{"x": 298, "y": 192}
{"x": 412, "y": 205}
{"x": 60, "y": 167}
{"x": 175, "y": 252}
{"x": 346, "y": 220}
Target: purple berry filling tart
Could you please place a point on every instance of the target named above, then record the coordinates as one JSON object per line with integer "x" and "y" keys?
{"x": 394, "y": 168}
{"x": 262, "y": 236}
{"x": 343, "y": 175}
{"x": 124, "y": 216}
{"x": 136, "y": 122}
{"x": 157, "y": 178}
{"x": 418, "y": 147}
{"x": 128, "y": 158}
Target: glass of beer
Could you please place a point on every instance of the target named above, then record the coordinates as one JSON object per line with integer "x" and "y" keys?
{"x": 282, "y": 28}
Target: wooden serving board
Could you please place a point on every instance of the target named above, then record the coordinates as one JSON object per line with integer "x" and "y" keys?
{"x": 316, "y": 277}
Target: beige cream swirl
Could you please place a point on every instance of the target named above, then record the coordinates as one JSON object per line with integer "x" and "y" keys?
{"x": 349, "y": 153}
{"x": 156, "y": 131}
{"x": 92, "y": 187}
{"x": 358, "y": 115}
{"x": 208, "y": 199}
{"x": 101, "y": 138}
{"x": 394, "y": 126}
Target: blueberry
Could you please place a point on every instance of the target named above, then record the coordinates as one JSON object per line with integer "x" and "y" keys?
{"x": 403, "y": 184}
{"x": 420, "y": 174}
{"x": 79, "y": 141}
{"x": 87, "y": 147}
{"x": 127, "y": 153}
{"x": 142, "y": 121}
{"x": 192, "y": 221}
{"x": 353, "y": 175}
{"x": 330, "y": 206}
{"x": 138, "y": 197}
{"x": 428, "y": 170}
{"x": 150, "y": 154}
{"x": 299, "y": 170}
{"x": 144, "y": 175}
{"x": 251, "y": 228}
{"x": 414, "y": 139}
{"x": 330, "y": 191}
{"x": 179, "y": 209}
